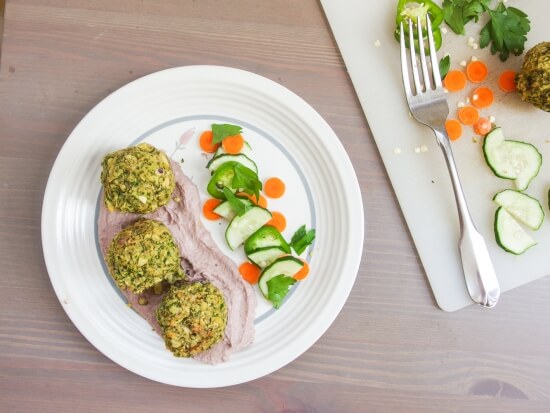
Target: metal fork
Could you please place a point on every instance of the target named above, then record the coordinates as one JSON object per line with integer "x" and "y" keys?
{"x": 429, "y": 106}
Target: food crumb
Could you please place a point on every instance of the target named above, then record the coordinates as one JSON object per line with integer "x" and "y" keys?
{"x": 471, "y": 40}
{"x": 397, "y": 151}
{"x": 468, "y": 99}
{"x": 377, "y": 43}
{"x": 475, "y": 139}
{"x": 463, "y": 63}
{"x": 423, "y": 148}
{"x": 475, "y": 46}
{"x": 474, "y": 58}
{"x": 444, "y": 30}
{"x": 492, "y": 119}
{"x": 417, "y": 150}
{"x": 460, "y": 104}
{"x": 445, "y": 90}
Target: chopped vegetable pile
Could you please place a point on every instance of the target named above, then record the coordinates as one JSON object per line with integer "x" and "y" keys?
{"x": 235, "y": 189}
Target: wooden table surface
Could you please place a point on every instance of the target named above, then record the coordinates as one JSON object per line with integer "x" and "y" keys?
{"x": 390, "y": 349}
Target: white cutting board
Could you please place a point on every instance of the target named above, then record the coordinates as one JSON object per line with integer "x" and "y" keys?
{"x": 415, "y": 165}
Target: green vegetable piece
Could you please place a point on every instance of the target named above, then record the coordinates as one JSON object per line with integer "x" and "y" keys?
{"x": 236, "y": 177}
{"x": 506, "y": 31}
{"x": 224, "y": 130}
{"x": 246, "y": 180}
{"x": 301, "y": 239}
{"x": 411, "y": 10}
{"x": 278, "y": 288}
{"x": 444, "y": 66}
{"x": 457, "y": 13}
{"x": 236, "y": 204}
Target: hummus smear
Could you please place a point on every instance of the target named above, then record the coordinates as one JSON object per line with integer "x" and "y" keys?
{"x": 201, "y": 261}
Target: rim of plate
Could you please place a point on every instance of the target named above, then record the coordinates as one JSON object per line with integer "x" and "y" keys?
{"x": 221, "y": 91}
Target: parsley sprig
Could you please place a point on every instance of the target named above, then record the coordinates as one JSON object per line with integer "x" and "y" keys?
{"x": 506, "y": 31}
{"x": 278, "y": 288}
{"x": 220, "y": 131}
{"x": 301, "y": 239}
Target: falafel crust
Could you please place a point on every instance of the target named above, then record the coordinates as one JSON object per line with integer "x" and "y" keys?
{"x": 533, "y": 80}
{"x": 138, "y": 179}
{"x": 143, "y": 255}
{"x": 192, "y": 318}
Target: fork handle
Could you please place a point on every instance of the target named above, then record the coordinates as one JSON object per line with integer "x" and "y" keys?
{"x": 479, "y": 274}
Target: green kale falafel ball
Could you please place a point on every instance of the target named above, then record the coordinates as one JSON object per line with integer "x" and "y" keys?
{"x": 533, "y": 80}
{"x": 142, "y": 255}
{"x": 193, "y": 318}
{"x": 138, "y": 179}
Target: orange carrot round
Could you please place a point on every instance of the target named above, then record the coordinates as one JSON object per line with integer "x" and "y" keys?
{"x": 483, "y": 126}
{"x": 303, "y": 273}
{"x": 206, "y": 144}
{"x": 482, "y": 97}
{"x": 208, "y": 209}
{"x": 454, "y": 129}
{"x": 507, "y": 81}
{"x": 274, "y": 187}
{"x": 476, "y": 71}
{"x": 455, "y": 81}
{"x": 468, "y": 115}
{"x": 249, "y": 272}
{"x": 277, "y": 220}
{"x": 233, "y": 144}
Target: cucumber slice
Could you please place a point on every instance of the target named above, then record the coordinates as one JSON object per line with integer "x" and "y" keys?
{"x": 241, "y": 227}
{"x": 216, "y": 162}
{"x": 522, "y": 207}
{"x": 510, "y": 235}
{"x": 267, "y": 236}
{"x": 265, "y": 256}
{"x": 509, "y": 159}
{"x": 287, "y": 266}
{"x": 226, "y": 211}
{"x": 246, "y": 150}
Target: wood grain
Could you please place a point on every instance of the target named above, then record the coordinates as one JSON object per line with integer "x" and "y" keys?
{"x": 390, "y": 349}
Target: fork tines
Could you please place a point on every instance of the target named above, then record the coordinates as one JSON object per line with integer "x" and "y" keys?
{"x": 431, "y": 79}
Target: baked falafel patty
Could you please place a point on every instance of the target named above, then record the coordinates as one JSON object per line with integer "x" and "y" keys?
{"x": 192, "y": 317}
{"x": 138, "y": 179}
{"x": 142, "y": 255}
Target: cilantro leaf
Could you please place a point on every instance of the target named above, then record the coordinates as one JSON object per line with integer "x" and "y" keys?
{"x": 277, "y": 289}
{"x": 221, "y": 131}
{"x": 506, "y": 31}
{"x": 444, "y": 65}
{"x": 246, "y": 180}
{"x": 236, "y": 204}
{"x": 458, "y": 13}
{"x": 301, "y": 239}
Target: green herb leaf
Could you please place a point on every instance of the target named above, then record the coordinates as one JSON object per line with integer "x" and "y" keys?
{"x": 444, "y": 66}
{"x": 277, "y": 289}
{"x": 506, "y": 31}
{"x": 301, "y": 239}
{"x": 458, "y": 13}
{"x": 236, "y": 204}
{"x": 223, "y": 130}
{"x": 246, "y": 180}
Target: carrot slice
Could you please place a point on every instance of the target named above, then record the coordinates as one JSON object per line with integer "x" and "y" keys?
{"x": 476, "y": 71}
{"x": 233, "y": 144}
{"x": 277, "y": 220}
{"x": 454, "y": 129}
{"x": 455, "y": 81}
{"x": 274, "y": 187}
{"x": 482, "y": 97}
{"x": 468, "y": 115}
{"x": 483, "y": 126}
{"x": 262, "y": 202}
{"x": 507, "y": 81}
{"x": 303, "y": 273}
{"x": 249, "y": 272}
{"x": 208, "y": 209}
{"x": 206, "y": 144}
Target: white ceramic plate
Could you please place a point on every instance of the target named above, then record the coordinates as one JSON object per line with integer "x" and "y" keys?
{"x": 289, "y": 139}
